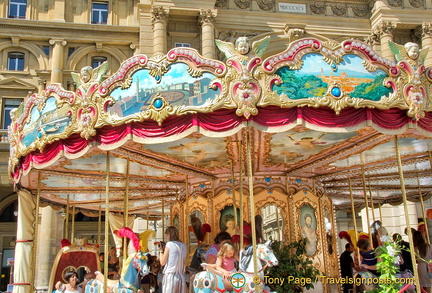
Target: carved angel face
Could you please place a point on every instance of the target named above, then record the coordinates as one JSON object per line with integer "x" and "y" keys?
{"x": 242, "y": 45}
{"x": 86, "y": 73}
{"x": 412, "y": 50}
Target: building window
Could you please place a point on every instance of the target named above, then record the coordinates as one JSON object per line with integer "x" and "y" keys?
{"x": 16, "y": 61}
{"x": 186, "y": 45}
{"x": 71, "y": 50}
{"x": 96, "y": 61}
{"x": 17, "y": 8}
{"x": 99, "y": 13}
{"x": 8, "y": 106}
{"x": 46, "y": 50}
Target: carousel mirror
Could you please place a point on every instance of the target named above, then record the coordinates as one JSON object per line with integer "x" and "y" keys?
{"x": 195, "y": 232}
{"x": 176, "y": 222}
{"x": 272, "y": 223}
{"x": 328, "y": 230}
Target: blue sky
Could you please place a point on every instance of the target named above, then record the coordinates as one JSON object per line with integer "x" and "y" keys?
{"x": 352, "y": 63}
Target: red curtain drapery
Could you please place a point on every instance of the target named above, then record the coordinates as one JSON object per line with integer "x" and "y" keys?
{"x": 271, "y": 119}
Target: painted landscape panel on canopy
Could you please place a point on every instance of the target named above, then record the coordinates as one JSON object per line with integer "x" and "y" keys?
{"x": 292, "y": 146}
{"x": 49, "y": 121}
{"x": 196, "y": 149}
{"x": 315, "y": 77}
{"x": 176, "y": 86}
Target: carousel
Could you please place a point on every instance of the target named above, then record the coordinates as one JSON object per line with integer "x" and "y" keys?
{"x": 290, "y": 137}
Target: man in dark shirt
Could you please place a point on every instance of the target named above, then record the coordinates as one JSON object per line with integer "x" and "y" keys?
{"x": 347, "y": 266}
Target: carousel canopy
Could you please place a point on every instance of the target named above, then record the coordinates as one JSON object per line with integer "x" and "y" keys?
{"x": 320, "y": 115}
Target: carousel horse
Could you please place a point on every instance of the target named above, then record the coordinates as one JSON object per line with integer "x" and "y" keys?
{"x": 210, "y": 281}
{"x": 133, "y": 269}
{"x": 149, "y": 283}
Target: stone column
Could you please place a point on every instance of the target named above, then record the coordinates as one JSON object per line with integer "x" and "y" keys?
{"x": 57, "y": 60}
{"x": 385, "y": 32}
{"x": 159, "y": 21}
{"x": 427, "y": 42}
{"x": 207, "y": 20}
{"x": 59, "y": 10}
{"x": 135, "y": 48}
{"x": 373, "y": 42}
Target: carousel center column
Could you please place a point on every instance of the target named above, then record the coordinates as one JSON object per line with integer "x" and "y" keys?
{"x": 207, "y": 20}
{"x": 57, "y": 60}
{"x": 24, "y": 243}
{"x": 427, "y": 42}
{"x": 159, "y": 20}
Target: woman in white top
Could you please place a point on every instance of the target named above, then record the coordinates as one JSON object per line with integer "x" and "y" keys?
{"x": 173, "y": 258}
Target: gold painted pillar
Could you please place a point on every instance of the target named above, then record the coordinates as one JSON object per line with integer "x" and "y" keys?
{"x": 426, "y": 41}
{"x": 159, "y": 20}
{"x": 207, "y": 20}
{"x": 57, "y": 60}
{"x": 406, "y": 210}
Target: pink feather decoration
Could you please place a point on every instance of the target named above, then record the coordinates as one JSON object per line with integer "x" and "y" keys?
{"x": 127, "y": 232}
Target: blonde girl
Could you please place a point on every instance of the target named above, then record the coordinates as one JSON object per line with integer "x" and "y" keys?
{"x": 226, "y": 257}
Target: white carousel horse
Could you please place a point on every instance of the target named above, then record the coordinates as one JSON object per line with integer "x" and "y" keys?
{"x": 367, "y": 282}
{"x": 211, "y": 282}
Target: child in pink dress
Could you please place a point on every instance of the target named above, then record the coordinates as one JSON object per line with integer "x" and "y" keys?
{"x": 225, "y": 262}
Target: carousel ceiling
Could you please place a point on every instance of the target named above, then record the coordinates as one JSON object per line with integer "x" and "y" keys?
{"x": 333, "y": 119}
{"x": 160, "y": 171}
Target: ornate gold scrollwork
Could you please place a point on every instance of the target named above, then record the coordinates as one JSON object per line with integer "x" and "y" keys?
{"x": 89, "y": 103}
{"x": 159, "y": 110}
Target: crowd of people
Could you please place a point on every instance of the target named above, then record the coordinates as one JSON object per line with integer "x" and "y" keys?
{"x": 369, "y": 258}
{"x": 222, "y": 256}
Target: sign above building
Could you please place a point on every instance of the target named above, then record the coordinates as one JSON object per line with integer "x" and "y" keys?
{"x": 292, "y": 7}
